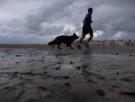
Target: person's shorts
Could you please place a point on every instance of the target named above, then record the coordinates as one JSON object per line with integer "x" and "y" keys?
{"x": 86, "y": 29}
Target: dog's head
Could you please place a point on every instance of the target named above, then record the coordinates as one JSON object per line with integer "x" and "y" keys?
{"x": 50, "y": 43}
{"x": 75, "y": 36}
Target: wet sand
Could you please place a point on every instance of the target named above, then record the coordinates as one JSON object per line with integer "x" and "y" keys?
{"x": 52, "y": 75}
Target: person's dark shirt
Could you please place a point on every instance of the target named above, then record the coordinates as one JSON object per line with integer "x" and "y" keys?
{"x": 88, "y": 19}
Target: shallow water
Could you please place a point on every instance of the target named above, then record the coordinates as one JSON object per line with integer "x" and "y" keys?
{"x": 52, "y": 75}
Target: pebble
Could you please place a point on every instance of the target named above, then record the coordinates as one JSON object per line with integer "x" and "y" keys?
{"x": 100, "y": 92}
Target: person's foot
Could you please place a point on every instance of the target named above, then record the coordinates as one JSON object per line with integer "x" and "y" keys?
{"x": 86, "y": 45}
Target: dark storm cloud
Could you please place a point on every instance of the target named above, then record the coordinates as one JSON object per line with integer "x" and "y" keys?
{"x": 110, "y": 16}
{"x": 112, "y": 19}
{"x": 46, "y": 14}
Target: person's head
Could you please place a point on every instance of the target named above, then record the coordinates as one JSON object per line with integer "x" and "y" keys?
{"x": 90, "y": 10}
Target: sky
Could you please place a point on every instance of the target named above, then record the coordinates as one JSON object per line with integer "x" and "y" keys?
{"x": 39, "y": 21}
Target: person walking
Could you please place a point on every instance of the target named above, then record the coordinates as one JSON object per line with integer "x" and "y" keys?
{"x": 87, "y": 29}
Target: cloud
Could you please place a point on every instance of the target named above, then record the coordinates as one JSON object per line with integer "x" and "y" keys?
{"x": 47, "y": 13}
{"x": 32, "y": 20}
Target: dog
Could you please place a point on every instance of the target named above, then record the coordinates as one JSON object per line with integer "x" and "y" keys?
{"x": 67, "y": 40}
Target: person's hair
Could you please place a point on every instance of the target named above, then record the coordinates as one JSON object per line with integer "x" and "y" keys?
{"x": 90, "y": 9}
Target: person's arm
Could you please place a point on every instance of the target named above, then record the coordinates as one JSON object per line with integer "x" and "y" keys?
{"x": 90, "y": 18}
{"x": 85, "y": 18}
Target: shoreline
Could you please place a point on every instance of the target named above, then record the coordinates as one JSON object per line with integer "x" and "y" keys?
{"x": 46, "y": 46}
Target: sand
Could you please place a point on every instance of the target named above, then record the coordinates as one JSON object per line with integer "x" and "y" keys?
{"x": 52, "y": 75}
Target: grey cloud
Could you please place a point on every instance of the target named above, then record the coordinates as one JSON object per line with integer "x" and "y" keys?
{"x": 46, "y": 14}
{"x": 113, "y": 17}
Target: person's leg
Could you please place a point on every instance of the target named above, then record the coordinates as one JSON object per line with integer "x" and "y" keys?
{"x": 84, "y": 32}
{"x": 91, "y": 35}
{"x": 81, "y": 40}
{"x": 90, "y": 38}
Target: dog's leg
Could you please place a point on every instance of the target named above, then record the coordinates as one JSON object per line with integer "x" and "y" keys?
{"x": 71, "y": 46}
{"x": 53, "y": 46}
{"x": 59, "y": 45}
{"x": 67, "y": 45}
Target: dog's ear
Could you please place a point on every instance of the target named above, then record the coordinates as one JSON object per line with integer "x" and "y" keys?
{"x": 74, "y": 33}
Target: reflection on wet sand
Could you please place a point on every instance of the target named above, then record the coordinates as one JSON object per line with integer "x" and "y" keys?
{"x": 52, "y": 75}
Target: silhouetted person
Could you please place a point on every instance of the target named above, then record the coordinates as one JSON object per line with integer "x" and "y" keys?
{"x": 87, "y": 29}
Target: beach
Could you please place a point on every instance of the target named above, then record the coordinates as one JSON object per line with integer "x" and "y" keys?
{"x": 78, "y": 75}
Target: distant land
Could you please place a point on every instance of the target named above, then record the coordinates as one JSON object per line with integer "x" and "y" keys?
{"x": 94, "y": 43}
{"x": 23, "y": 46}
